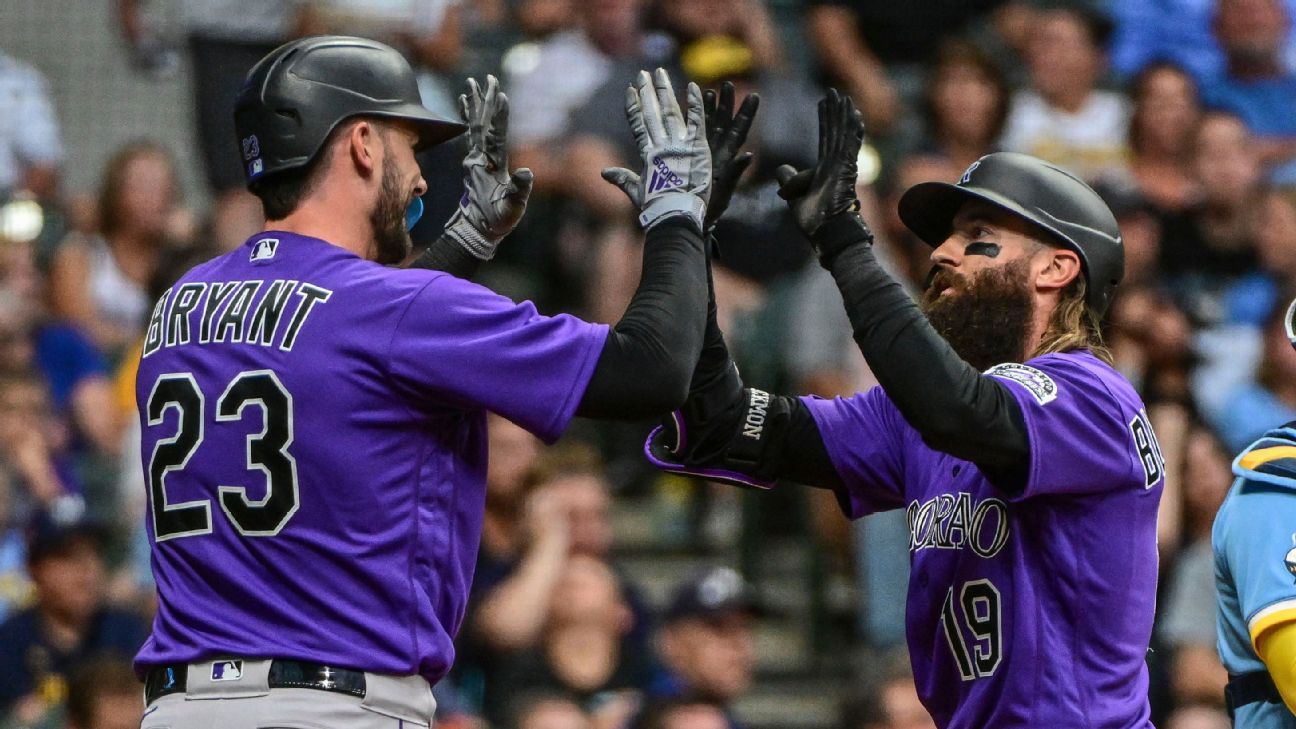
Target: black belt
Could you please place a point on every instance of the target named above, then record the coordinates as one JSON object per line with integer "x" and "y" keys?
{"x": 1250, "y": 688}
{"x": 163, "y": 680}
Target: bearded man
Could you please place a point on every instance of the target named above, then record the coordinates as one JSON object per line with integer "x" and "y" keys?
{"x": 1025, "y": 463}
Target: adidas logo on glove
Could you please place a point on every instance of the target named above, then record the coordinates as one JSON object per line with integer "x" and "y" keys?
{"x": 663, "y": 177}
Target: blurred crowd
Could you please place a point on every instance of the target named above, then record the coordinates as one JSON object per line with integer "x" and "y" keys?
{"x": 1180, "y": 113}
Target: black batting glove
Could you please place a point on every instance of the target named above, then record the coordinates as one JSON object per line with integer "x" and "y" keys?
{"x": 726, "y": 133}
{"x": 822, "y": 198}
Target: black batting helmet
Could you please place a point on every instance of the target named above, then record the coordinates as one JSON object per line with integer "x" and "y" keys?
{"x": 1047, "y": 196}
{"x": 295, "y": 96}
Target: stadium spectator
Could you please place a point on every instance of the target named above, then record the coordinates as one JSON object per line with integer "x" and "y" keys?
{"x": 1276, "y": 238}
{"x": 99, "y": 282}
{"x": 873, "y": 50}
{"x": 1256, "y": 85}
{"x": 529, "y": 541}
{"x": 964, "y": 105}
{"x": 1140, "y": 227}
{"x": 581, "y": 653}
{"x": 681, "y": 713}
{"x": 1166, "y": 111}
{"x": 1180, "y": 31}
{"x": 891, "y": 703}
{"x": 71, "y": 368}
{"x": 225, "y": 39}
{"x": 103, "y": 693}
{"x": 68, "y": 622}
{"x": 747, "y": 22}
{"x": 31, "y": 149}
{"x": 706, "y": 641}
{"x": 538, "y": 19}
{"x": 1064, "y": 117}
{"x": 1188, "y": 623}
{"x": 1198, "y": 717}
{"x": 15, "y": 584}
{"x": 1268, "y": 399}
{"x": 34, "y": 442}
{"x": 548, "y": 711}
{"x": 1152, "y": 343}
{"x": 1148, "y": 335}
{"x": 427, "y": 32}
{"x": 1208, "y": 248}
{"x": 556, "y": 78}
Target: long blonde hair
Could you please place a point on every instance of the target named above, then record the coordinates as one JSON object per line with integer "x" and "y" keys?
{"x": 1073, "y": 325}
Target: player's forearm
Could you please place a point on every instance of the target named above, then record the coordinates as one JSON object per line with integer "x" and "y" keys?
{"x": 446, "y": 254}
{"x": 944, "y": 398}
{"x": 645, "y": 366}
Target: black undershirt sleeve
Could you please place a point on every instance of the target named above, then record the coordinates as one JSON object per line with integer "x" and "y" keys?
{"x": 447, "y": 255}
{"x": 805, "y": 458}
{"x": 645, "y": 366}
{"x": 954, "y": 407}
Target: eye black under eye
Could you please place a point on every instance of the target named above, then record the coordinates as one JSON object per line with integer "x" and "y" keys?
{"x": 982, "y": 248}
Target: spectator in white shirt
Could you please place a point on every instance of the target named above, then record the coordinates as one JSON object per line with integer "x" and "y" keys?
{"x": 30, "y": 146}
{"x": 1063, "y": 117}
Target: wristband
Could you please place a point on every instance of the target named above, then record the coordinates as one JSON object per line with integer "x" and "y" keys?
{"x": 665, "y": 206}
{"x": 838, "y": 233}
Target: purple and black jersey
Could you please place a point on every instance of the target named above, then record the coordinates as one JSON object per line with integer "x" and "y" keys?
{"x": 1029, "y": 610}
{"x": 315, "y": 447}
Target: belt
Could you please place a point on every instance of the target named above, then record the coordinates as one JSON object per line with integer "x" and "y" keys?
{"x": 1249, "y": 688}
{"x": 163, "y": 680}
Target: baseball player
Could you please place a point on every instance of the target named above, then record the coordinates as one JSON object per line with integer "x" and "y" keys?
{"x": 1024, "y": 462}
{"x": 314, "y": 422}
{"x": 1255, "y": 562}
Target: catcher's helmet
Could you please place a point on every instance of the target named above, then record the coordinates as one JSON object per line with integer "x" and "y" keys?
{"x": 295, "y": 96}
{"x": 1049, "y": 197}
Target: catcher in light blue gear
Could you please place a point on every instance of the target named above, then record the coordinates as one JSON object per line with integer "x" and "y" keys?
{"x": 1254, "y": 539}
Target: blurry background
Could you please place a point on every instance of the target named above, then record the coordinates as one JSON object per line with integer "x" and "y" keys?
{"x": 608, "y": 595}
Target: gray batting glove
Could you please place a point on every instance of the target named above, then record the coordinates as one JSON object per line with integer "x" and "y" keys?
{"x": 493, "y": 200}
{"x": 676, "y": 159}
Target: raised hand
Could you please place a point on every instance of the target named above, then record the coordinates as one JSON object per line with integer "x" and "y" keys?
{"x": 828, "y": 188}
{"x": 726, "y": 133}
{"x": 494, "y": 200}
{"x": 676, "y": 177}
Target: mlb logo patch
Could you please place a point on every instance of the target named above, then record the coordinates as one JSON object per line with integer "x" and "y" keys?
{"x": 264, "y": 249}
{"x": 255, "y": 167}
{"x": 227, "y": 670}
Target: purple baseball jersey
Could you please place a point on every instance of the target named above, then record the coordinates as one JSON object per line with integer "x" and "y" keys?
{"x": 314, "y": 442}
{"x": 1031, "y": 610}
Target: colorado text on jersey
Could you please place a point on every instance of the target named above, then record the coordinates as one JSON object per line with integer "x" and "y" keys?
{"x": 222, "y": 311}
{"x": 952, "y": 521}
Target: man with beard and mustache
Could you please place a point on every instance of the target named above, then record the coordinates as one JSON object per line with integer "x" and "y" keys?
{"x": 314, "y": 422}
{"x": 1023, "y": 460}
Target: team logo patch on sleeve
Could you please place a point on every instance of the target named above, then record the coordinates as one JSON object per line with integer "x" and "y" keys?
{"x": 1040, "y": 385}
